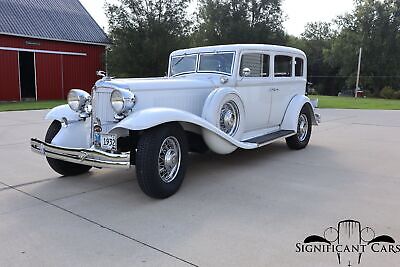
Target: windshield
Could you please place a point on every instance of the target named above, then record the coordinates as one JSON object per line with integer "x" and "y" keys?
{"x": 208, "y": 62}
{"x": 183, "y": 64}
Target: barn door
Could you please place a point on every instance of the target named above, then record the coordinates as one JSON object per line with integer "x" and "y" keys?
{"x": 49, "y": 76}
{"x": 27, "y": 75}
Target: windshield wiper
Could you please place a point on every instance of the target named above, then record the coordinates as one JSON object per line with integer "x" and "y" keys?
{"x": 179, "y": 61}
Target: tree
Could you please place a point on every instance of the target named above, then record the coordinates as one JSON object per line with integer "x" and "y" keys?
{"x": 239, "y": 21}
{"x": 374, "y": 26}
{"x": 144, "y": 33}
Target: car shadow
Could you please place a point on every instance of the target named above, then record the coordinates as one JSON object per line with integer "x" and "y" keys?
{"x": 203, "y": 171}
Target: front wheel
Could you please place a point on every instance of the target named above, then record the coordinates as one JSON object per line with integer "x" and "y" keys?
{"x": 62, "y": 167}
{"x": 161, "y": 160}
{"x": 304, "y": 127}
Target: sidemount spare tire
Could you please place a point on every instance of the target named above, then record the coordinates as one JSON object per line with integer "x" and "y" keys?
{"x": 223, "y": 109}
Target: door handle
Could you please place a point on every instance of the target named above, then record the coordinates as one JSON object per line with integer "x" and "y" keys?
{"x": 274, "y": 89}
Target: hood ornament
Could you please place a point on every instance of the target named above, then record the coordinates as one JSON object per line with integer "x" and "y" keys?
{"x": 104, "y": 75}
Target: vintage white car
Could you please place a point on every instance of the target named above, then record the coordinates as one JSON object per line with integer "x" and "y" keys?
{"x": 218, "y": 98}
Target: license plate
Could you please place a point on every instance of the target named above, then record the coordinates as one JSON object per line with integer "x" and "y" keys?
{"x": 108, "y": 142}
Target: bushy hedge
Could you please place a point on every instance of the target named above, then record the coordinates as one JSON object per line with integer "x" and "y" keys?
{"x": 389, "y": 93}
{"x": 396, "y": 94}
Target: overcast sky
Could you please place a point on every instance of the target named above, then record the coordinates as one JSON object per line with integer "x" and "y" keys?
{"x": 298, "y": 12}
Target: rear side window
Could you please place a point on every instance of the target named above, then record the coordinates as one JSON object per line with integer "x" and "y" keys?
{"x": 299, "y": 69}
{"x": 283, "y": 66}
{"x": 257, "y": 63}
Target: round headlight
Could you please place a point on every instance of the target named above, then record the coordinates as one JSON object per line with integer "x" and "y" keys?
{"x": 122, "y": 101}
{"x": 77, "y": 99}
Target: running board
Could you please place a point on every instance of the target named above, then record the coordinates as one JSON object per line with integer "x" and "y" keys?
{"x": 270, "y": 138}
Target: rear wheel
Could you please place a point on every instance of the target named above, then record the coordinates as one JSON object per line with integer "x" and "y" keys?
{"x": 62, "y": 167}
{"x": 161, "y": 160}
{"x": 304, "y": 127}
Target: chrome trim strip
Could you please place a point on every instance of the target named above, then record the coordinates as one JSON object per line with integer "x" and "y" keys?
{"x": 90, "y": 156}
{"x": 42, "y": 51}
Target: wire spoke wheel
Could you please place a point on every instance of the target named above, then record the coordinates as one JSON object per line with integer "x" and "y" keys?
{"x": 229, "y": 118}
{"x": 161, "y": 160}
{"x": 169, "y": 159}
{"x": 302, "y": 128}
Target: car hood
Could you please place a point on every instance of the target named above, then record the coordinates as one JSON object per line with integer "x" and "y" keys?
{"x": 162, "y": 83}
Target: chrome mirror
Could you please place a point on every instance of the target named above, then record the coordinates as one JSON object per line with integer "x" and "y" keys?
{"x": 246, "y": 72}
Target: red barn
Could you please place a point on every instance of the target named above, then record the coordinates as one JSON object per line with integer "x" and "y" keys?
{"x": 48, "y": 47}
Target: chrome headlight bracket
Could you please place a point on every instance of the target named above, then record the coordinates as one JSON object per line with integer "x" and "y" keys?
{"x": 80, "y": 101}
{"x": 122, "y": 102}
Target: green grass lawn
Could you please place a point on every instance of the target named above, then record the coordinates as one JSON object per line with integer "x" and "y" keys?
{"x": 359, "y": 103}
{"x": 14, "y": 106}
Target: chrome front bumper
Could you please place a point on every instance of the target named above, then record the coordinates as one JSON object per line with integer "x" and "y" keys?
{"x": 91, "y": 157}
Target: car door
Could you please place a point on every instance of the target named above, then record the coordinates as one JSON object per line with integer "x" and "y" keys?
{"x": 284, "y": 87}
{"x": 254, "y": 89}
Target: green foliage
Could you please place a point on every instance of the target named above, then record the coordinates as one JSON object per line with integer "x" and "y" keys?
{"x": 239, "y": 21}
{"x": 333, "y": 54}
{"x": 144, "y": 33}
{"x": 387, "y": 92}
{"x": 396, "y": 94}
{"x": 373, "y": 25}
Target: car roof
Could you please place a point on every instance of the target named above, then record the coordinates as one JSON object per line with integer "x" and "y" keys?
{"x": 239, "y": 47}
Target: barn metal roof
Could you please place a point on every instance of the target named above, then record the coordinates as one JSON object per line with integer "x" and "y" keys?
{"x": 61, "y": 20}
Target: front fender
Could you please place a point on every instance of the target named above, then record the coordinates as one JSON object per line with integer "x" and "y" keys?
{"x": 293, "y": 111}
{"x": 75, "y": 135}
{"x": 148, "y": 118}
{"x": 60, "y": 112}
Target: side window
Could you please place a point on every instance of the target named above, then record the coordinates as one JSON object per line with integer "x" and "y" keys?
{"x": 257, "y": 63}
{"x": 299, "y": 70}
{"x": 283, "y": 66}
{"x": 265, "y": 70}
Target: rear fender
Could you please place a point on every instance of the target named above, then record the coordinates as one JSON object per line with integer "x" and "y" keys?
{"x": 293, "y": 111}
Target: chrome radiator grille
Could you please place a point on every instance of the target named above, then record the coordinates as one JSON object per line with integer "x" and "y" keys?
{"x": 102, "y": 108}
